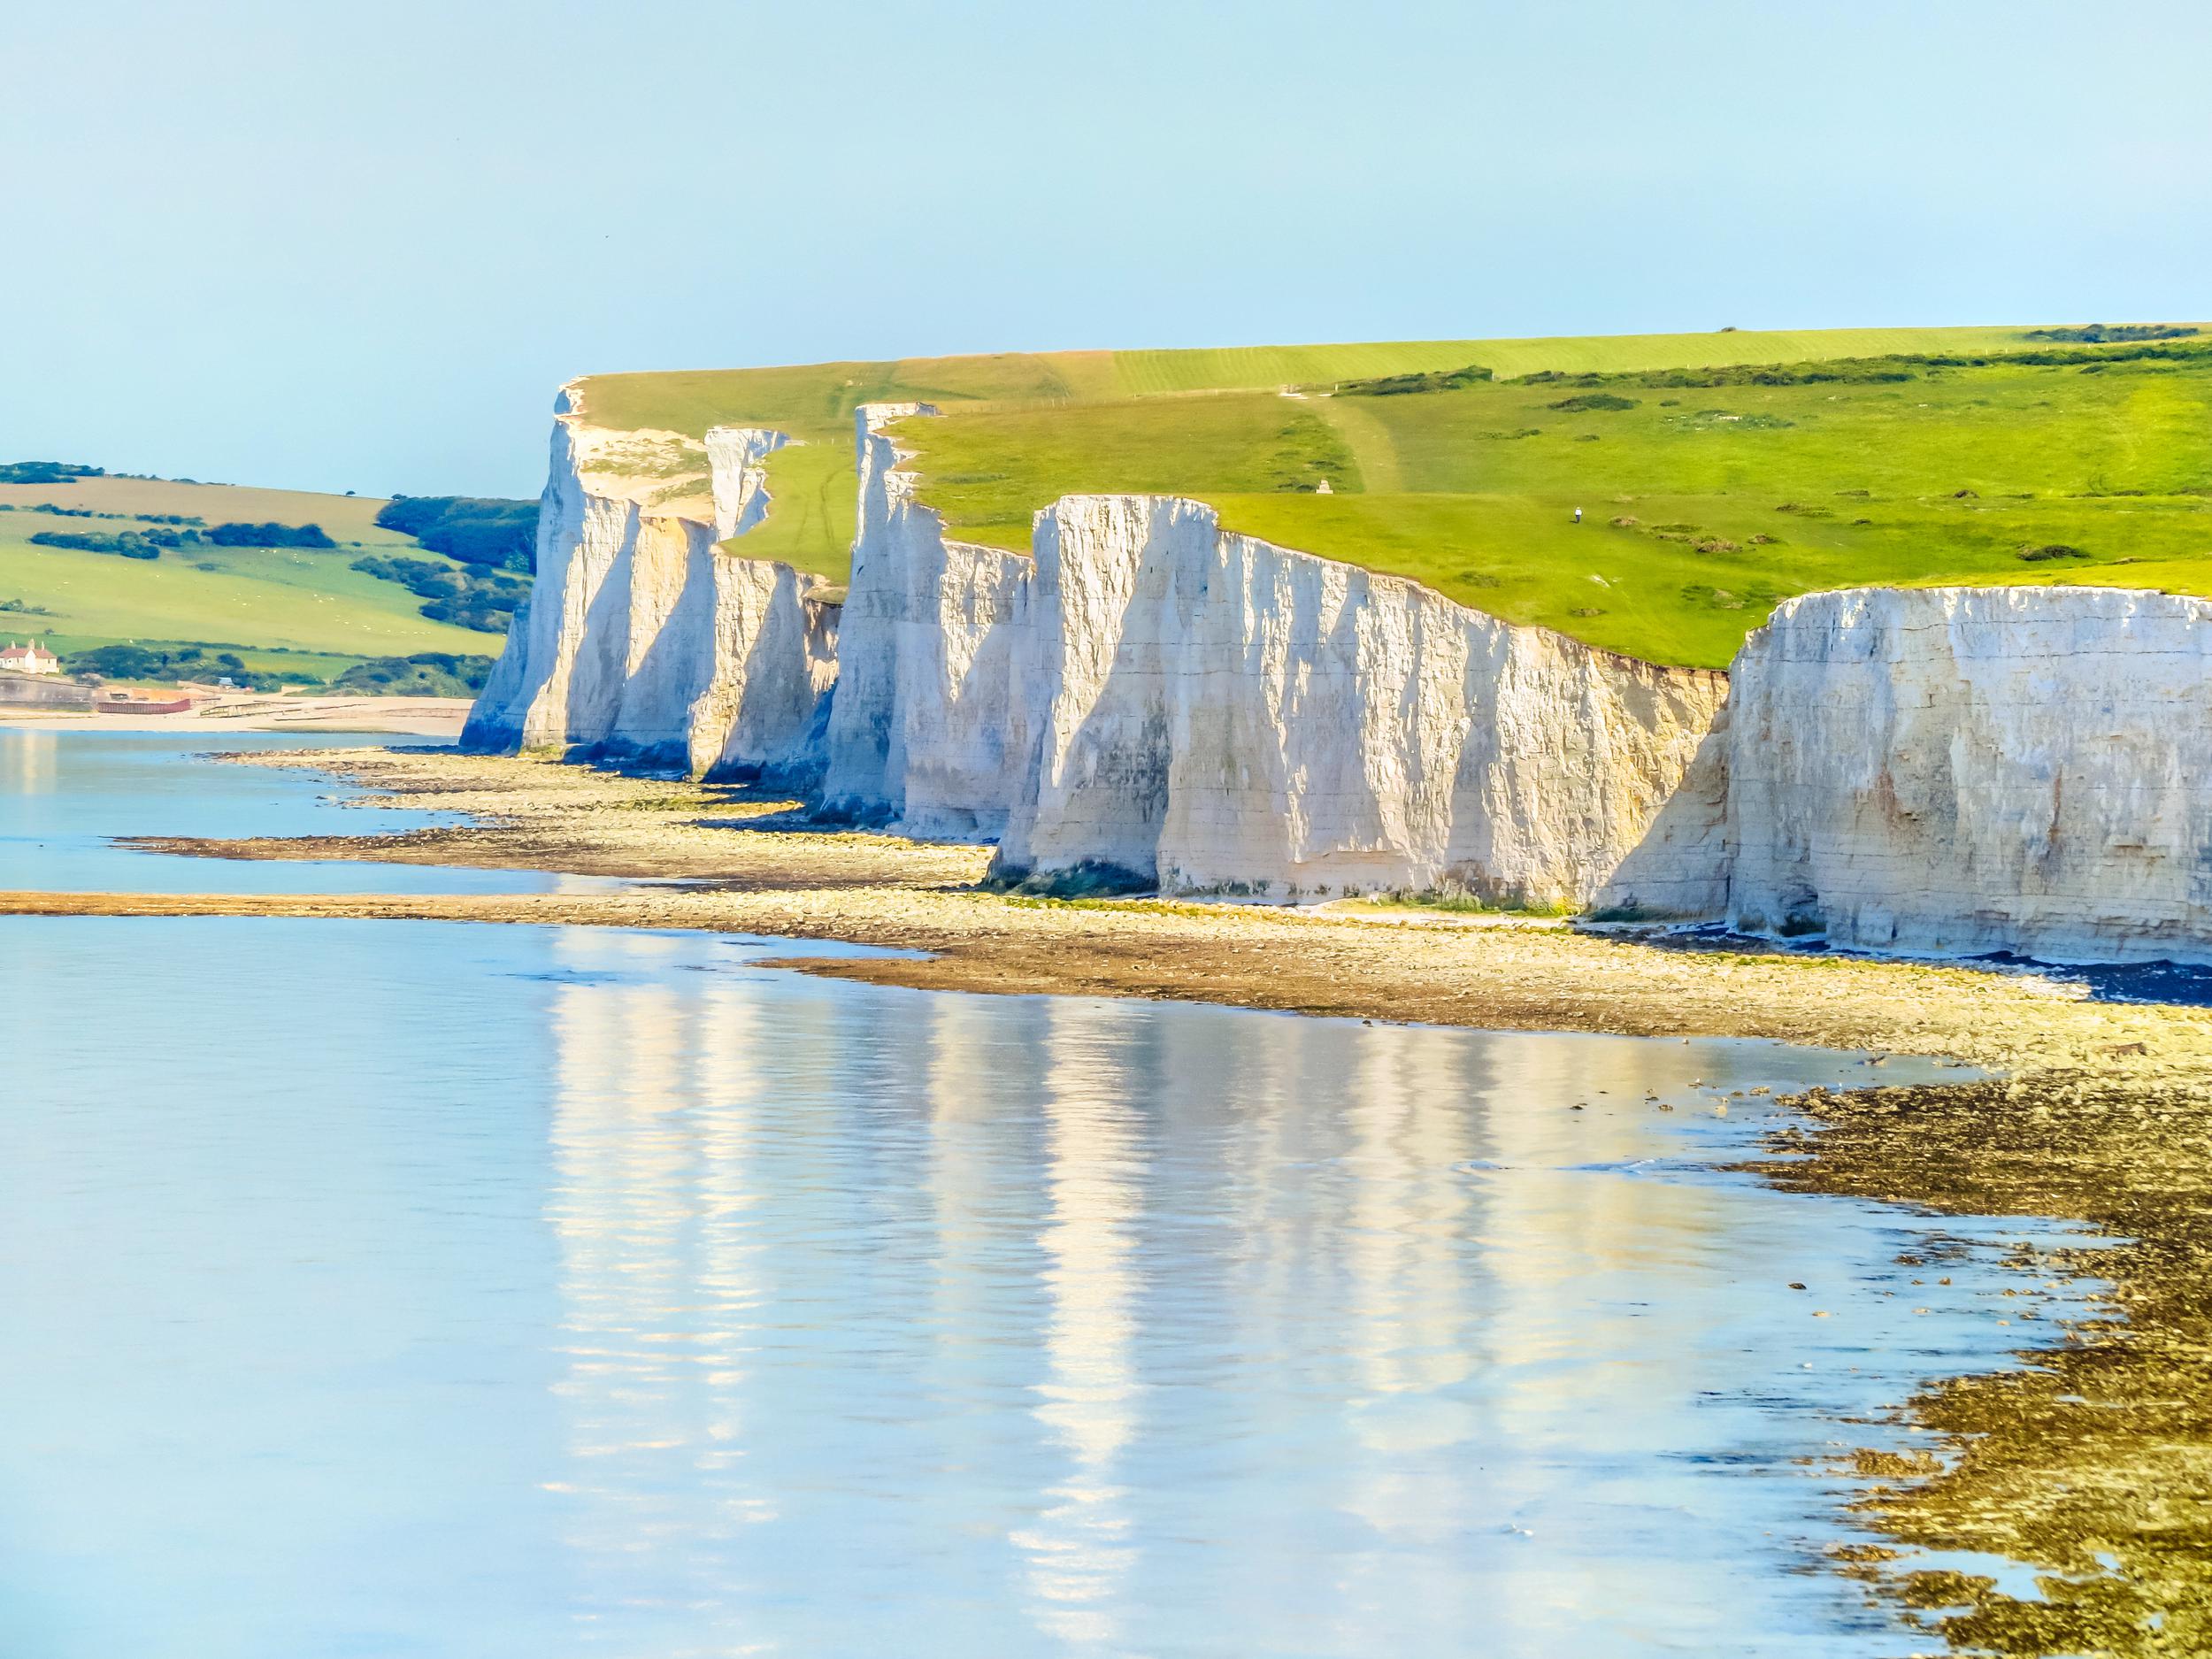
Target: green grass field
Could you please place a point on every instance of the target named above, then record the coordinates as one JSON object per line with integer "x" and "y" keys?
{"x": 817, "y": 400}
{"x": 285, "y": 610}
{"x": 1704, "y": 505}
{"x": 813, "y": 508}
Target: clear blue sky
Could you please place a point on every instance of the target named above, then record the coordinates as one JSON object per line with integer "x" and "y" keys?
{"x": 359, "y": 246}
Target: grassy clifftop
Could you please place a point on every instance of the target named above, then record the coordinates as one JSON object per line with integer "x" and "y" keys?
{"x": 1709, "y": 489}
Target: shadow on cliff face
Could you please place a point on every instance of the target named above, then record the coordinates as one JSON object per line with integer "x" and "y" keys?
{"x": 778, "y": 736}
{"x": 1680, "y": 869}
{"x": 1108, "y": 776}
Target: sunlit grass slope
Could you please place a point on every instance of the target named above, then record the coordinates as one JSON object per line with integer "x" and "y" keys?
{"x": 287, "y": 599}
{"x": 1703, "y": 503}
{"x": 811, "y": 509}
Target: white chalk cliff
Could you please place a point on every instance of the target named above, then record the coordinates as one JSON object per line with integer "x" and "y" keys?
{"x": 1148, "y": 695}
{"x": 1955, "y": 771}
{"x": 642, "y": 641}
{"x": 921, "y": 730}
{"x": 1146, "y": 698}
{"x": 1227, "y": 716}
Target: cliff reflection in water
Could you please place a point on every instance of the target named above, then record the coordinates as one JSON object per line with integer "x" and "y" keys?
{"x": 28, "y": 759}
{"x": 1082, "y": 1546}
{"x": 970, "y": 1323}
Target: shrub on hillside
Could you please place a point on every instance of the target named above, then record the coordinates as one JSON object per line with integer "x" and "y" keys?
{"x": 425, "y": 578}
{"x": 1584, "y": 401}
{"x": 425, "y": 674}
{"x": 116, "y": 662}
{"x": 2099, "y": 333}
{"x": 170, "y": 664}
{"x": 306, "y": 535}
{"x": 129, "y": 547}
{"x": 45, "y": 471}
{"x": 484, "y": 530}
{"x": 2050, "y": 550}
{"x": 1399, "y": 385}
{"x": 130, "y": 544}
{"x": 468, "y": 597}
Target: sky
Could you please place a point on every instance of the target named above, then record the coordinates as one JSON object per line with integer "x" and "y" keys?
{"x": 360, "y": 246}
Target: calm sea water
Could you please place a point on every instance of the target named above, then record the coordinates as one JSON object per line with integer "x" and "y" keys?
{"x": 63, "y": 795}
{"x": 417, "y": 1288}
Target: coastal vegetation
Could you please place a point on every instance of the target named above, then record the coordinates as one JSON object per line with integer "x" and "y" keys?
{"x": 227, "y": 570}
{"x": 44, "y": 472}
{"x": 1699, "y": 511}
{"x": 169, "y": 664}
{"x": 494, "y": 533}
{"x": 130, "y": 544}
{"x": 423, "y": 674}
{"x": 466, "y": 594}
{"x": 1717, "y": 474}
{"x": 270, "y": 535}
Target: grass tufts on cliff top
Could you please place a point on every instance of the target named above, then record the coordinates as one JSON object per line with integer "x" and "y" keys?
{"x": 1718, "y": 474}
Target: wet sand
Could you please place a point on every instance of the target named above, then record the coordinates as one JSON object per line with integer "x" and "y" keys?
{"x": 439, "y": 717}
{"x": 2095, "y": 1464}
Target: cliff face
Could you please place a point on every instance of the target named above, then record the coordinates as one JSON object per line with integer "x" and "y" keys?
{"x": 1152, "y": 698}
{"x": 643, "y": 642}
{"x": 1218, "y": 715}
{"x": 921, "y": 731}
{"x": 1231, "y": 716}
{"x": 1957, "y": 771}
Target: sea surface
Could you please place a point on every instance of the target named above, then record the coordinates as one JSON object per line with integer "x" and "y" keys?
{"x": 407, "y": 1289}
{"x": 65, "y": 795}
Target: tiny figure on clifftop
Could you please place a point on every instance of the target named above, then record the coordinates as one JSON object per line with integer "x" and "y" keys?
{"x": 1578, "y": 515}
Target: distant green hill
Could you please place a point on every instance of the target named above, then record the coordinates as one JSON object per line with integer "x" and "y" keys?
{"x": 1718, "y": 474}
{"x": 289, "y": 611}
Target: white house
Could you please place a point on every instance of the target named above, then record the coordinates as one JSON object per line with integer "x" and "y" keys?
{"x": 33, "y": 659}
